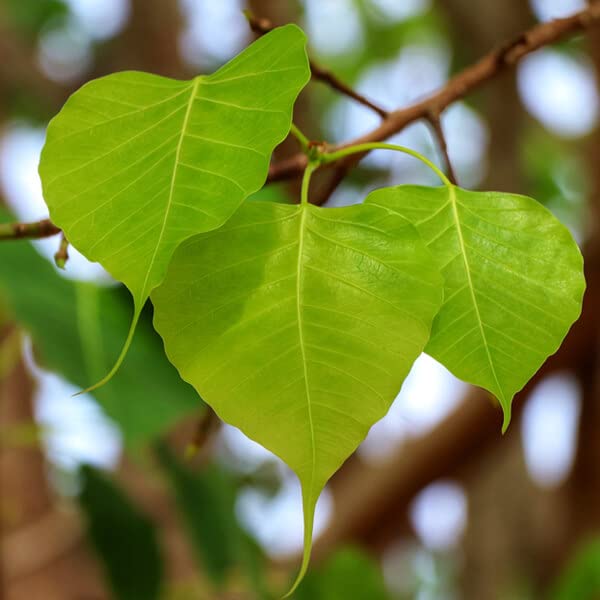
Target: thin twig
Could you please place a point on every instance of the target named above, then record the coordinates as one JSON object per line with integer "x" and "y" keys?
{"x": 36, "y": 230}
{"x": 262, "y": 26}
{"x": 456, "y": 88}
{"x": 62, "y": 254}
{"x": 438, "y": 131}
{"x": 205, "y": 426}
{"x": 462, "y": 84}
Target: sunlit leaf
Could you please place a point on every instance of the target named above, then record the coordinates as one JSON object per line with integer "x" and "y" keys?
{"x": 514, "y": 281}
{"x": 135, "y": 163}
{"x": 298, "y": 325}
{"x": 123, "y": 537}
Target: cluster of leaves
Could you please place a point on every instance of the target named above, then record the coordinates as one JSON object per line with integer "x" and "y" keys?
{"x": 298, "y": 324}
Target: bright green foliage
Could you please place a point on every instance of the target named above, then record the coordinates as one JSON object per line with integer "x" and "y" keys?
{"x": 76, "y": 329}
{"x": 124, "y": 538}
{"x": 299, "y": 324}
{"x": 514, "y": 281}
{"x": 135, "y": 163}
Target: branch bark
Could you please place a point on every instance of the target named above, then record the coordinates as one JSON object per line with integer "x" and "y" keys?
{"x": 36, "y": 230}
{"x": 473, "y": 77}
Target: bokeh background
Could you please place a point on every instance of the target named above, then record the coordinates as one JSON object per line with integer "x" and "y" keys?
{"x": 97, "y": 499}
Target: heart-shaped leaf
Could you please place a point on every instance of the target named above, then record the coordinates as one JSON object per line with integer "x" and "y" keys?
{"x": 298, "y": 325}
{"x": 514, "y": 281}
{"x": 135, "y": 163}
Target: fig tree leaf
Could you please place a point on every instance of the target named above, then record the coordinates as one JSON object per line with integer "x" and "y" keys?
{"x": 514, "y": 281}
{"x": 298, "y": 325}
{"x": 135, "y": 163}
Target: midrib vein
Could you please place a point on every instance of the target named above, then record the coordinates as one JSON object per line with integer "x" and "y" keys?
{"x": 463, "y": 250}
{"x": 172, "y": 184}
{"x": 299, "y": 291}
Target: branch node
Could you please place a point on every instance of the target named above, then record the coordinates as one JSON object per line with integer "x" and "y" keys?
{"x": 62, "y": 254}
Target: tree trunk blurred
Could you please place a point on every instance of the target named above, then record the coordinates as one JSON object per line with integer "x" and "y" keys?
{"x": 42, "y": 552}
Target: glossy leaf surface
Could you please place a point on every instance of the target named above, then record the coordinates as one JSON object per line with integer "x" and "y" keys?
{"x": 135, "y": 163}
{"x": 514, "y": 281}
{"x": 298, "y": 325}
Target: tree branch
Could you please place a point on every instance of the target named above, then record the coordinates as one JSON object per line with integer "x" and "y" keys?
{"x": 438, "y": 132}
{"x": 460, "y": 85}
{"x": 261, "y": 26}
{"x": 36, "y": 230}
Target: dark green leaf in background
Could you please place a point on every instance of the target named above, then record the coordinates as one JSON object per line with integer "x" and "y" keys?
{"x": 348, "y": 575}
{"x": 76, "y": 329}
{"x": 123, "y": 537}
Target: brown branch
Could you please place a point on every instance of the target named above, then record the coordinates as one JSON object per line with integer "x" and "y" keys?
{"x": 261, "y": 26}
{"x": 460, "y": 85}
{"x": 36, "y": 230}
{"x": 438, "y": 131}
{"x": 456, "y": 88}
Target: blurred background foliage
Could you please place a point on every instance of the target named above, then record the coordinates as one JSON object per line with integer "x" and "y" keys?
{"x": 137, "y": 492}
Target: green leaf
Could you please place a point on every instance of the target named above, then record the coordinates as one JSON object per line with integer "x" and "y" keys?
{"x": 514, "y": 281}
{"x": 298, "y": 325}
{"x": 76, "y": 328}
{"x": 581, "y": 578}
{"x": 348, "y": 575}
{"x": 206, "y": 501}
{"x": 135, "y": 163}
{"x": 124, "y": 538}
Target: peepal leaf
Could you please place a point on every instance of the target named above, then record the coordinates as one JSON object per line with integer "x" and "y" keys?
{"x": 514, "y": 281}
{"x": 298, "y": 325}
{"x": 135, "y": 163}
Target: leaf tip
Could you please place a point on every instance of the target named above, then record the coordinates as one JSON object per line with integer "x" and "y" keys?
{"x": 120, "y": 358}
{"x": 309, "y": 503}
{"x": 507, "y": 416}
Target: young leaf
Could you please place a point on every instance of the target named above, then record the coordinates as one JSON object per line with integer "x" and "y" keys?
{"x": 135, "y": 163}
{"x": 514, "y": 281}
{"x": 298, "y": 325}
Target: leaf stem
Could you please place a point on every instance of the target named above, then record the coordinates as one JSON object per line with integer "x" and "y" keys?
{"x": 302, "y": 139}
{"x": 328, "y": 157}
{"x": 312, "y": 166}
